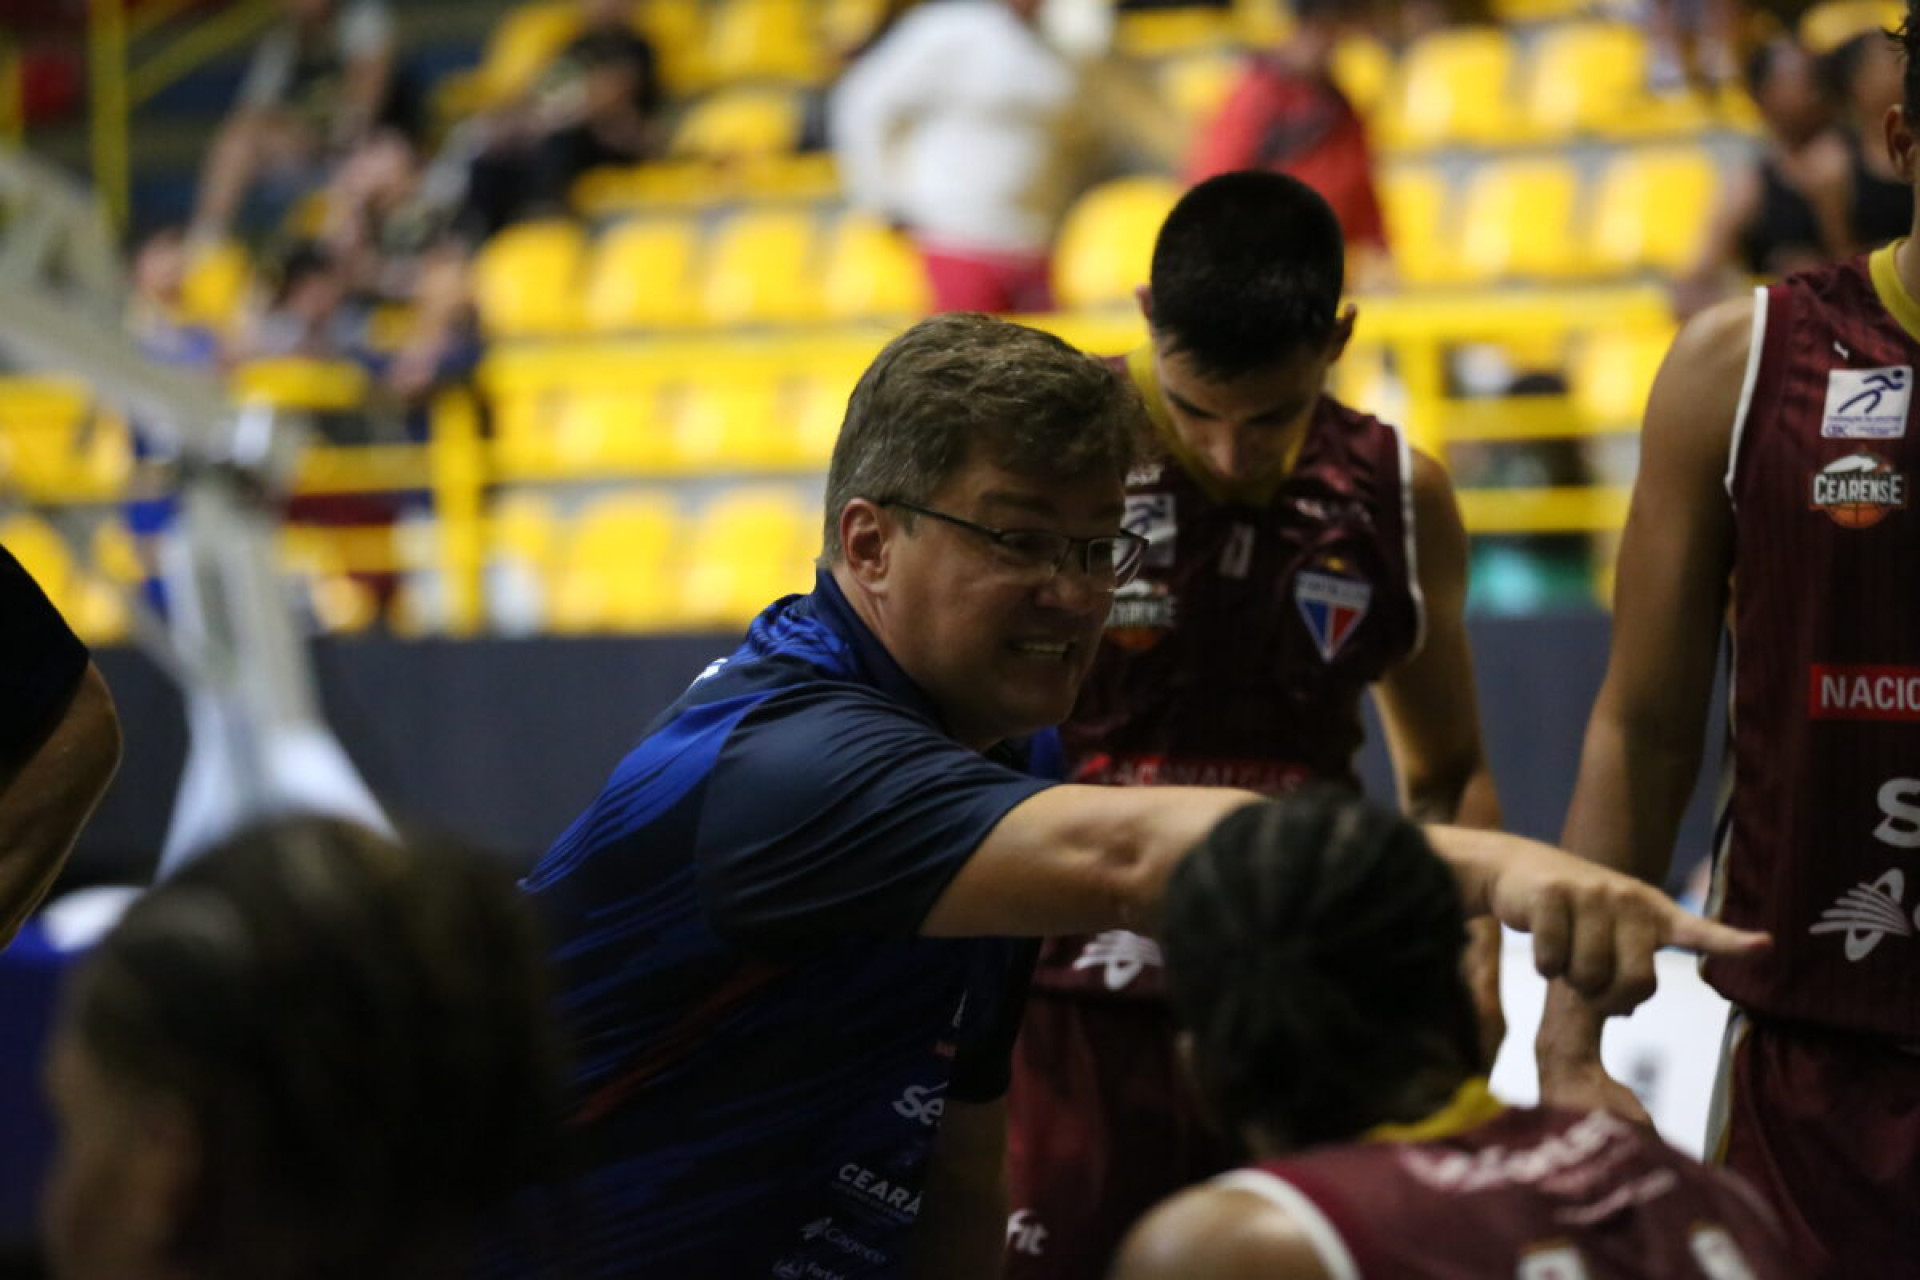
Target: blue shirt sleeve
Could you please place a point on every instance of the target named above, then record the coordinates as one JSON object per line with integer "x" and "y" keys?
{"x": 834, "y": 811}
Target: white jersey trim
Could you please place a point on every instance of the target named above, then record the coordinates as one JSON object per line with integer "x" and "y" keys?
{"x": 1413, "y": 549}
{"x": 1755, "y": 343}
{"x": 1290, "y": 1200}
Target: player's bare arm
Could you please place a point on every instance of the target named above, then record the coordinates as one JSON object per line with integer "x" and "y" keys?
{"x": 1644, "y": 740}
{"x": 1216, "y": 1233}
{"x": 50, "y": 796}
{"x": 1081, "y": 859}
{"x": 1432, "y": 718}
{"x": 961, "y": 1231}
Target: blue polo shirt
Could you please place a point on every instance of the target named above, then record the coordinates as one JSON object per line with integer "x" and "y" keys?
{"x": 764, "y": 1046}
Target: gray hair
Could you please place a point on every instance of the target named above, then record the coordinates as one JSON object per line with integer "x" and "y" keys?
{"x": 962, "y": 382}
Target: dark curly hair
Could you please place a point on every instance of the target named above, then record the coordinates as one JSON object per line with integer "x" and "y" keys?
{"x": 1313, "y": 953}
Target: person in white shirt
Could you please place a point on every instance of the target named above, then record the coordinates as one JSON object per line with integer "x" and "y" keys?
{"x": 959, "y": 127}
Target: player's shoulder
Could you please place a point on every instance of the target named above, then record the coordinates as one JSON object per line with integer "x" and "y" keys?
{"x": 1221, "y": 1232}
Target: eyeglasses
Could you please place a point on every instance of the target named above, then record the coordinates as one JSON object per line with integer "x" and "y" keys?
{"x": 1111, "y": 559}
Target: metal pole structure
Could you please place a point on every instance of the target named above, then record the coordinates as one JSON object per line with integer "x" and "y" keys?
{"x": 107, "y": 78}
{"x": 259, "y": 744}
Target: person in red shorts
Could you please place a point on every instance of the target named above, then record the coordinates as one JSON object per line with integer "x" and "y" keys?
{"x": 1312, "y": 956}
{"x": 1773, "y": 506}
{"x": 1300, "y": 553}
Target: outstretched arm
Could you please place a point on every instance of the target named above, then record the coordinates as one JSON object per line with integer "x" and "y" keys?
{"x": 1643, "y": 743}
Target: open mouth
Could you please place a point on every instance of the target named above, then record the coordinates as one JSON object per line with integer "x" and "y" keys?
{"x": 1049, "y": 650}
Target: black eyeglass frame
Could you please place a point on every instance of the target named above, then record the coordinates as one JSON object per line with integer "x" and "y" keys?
{"x": 1130, "y": 548}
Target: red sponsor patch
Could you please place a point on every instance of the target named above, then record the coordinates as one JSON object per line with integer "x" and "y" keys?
{"x": 1863, "y": 692}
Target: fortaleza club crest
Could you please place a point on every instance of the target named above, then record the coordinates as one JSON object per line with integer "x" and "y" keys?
{"x": 1857, "y": 491}
{"x": 1332, "y": 605}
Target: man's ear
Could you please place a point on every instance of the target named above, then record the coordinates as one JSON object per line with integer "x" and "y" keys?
{"x": 1342, "y": 332}
{"x": 163, "y": 1165}
{"x": 866, "y": 541}
{"x": 1900, "y": 145}
{"x": 1143, "y": 294}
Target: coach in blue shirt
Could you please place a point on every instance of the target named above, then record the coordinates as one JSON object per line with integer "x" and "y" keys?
{"x": 785, "y": 927}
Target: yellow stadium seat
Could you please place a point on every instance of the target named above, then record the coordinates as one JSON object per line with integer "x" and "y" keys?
{"x": 1585, "y": 78}
{"x": 1517, "y": 219}
{"x": 740, "y": 124}
{"x": 43, "y": 553}
{"x": 1196, "y": 85}
{"x": 750, "y": 546}
{"x": 1653, "y": 208}
{"x": 619, "y": 569}
{"x": 677, "y": 29}
{"x": 1418, "y": 204}
{"x": 296, "y": 382}
{"x": 1363, "y": 67}
{"x": 41, "y": 424}
{"x": 1539, "y": 10}
{"x": 521, "y": 47}
{"x": 846, "y": 25}
{"x": 871, "y": 272}
{"x": 116, "y": 553}
{"x": 1158, "y": 33}
{"x": 760, "y": 270}
{"x": 1612, "y": 372}
{"x": 613, "y": 429}
{"x": 526, "y": 280}
{"x": 820, "y": 406}
{"x": 763, "y": 40}
{"x": 641, "y": 276}
{"x": 214, "y": 290}
{"x": 1827, "y": 26}
{"x": 522, "y": 562}
{"x": 1454, "y": 89}
{"x": 735, "y": 423}
{"x": 1106, "y": 246}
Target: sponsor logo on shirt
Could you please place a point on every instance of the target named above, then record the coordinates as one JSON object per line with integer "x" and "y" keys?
{"x": 1871, "y": 912}
{"x": 1333, "y": 603}
{"x": 824, "y": 1229}
{"x": 1867, "y": 404}
{"x": 799, "y": 1269}
{"x": 1268, "y": 776}
{"x": 922, "y": 1102}
{"x": 1151, "y": 516}
{"x": 893, "y": 1199}
{"x": 1142, "y": 613}
{"x": 1120, "y": 955}
{"x": 1870, "y": 692}
{"x": 1026, "y": 1235}
{"x": 1859, "y": 490}
{"x": 1461, "y": 1172}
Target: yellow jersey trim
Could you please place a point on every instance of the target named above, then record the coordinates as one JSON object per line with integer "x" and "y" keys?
{"x": 1893, "y": 292}
{"x": 1146, "y": 380}
{"x": 1471, "y": 1106}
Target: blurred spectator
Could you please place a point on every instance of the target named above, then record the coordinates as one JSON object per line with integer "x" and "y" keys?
{"x": 599, "y": 103}
{"x": 959, "y": 126}
{"x": 319, "y": 80}
{"x": 156, "y": 314}
{"x": 1419, "y": 17}
{"x": 1864, "y": 80}
{"x": 310, "y": 1053}
{"x": 1784, "y": 213}
{"x": 1692, "y": 39}
{"x": 306, "y": 315}
{"x": 1287, "y": 115}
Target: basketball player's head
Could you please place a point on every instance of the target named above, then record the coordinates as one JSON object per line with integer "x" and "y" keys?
{"x": 1901, "y": 121}
{"x": 1313, "y": 951}
{"x": 1244, "y": 308}
{"x": 311, "y": 1053}
{"x": 974, "y": 505}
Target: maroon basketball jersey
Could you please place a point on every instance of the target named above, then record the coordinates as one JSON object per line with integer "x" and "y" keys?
{"x": 1534, "y": 1194}
{"x": 1819, "y": 842}
{"x": 1241, "y": 653}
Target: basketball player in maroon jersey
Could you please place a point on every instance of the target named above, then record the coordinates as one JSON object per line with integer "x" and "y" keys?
{"x": 1312, "y": 949}
{"x": 1301, "y": 553}
{"x": 1773, "y": 499}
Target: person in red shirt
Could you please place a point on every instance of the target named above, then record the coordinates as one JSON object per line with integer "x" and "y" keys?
{"x": 1312, "y": 949}
{"x": 1287, "y": 115}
